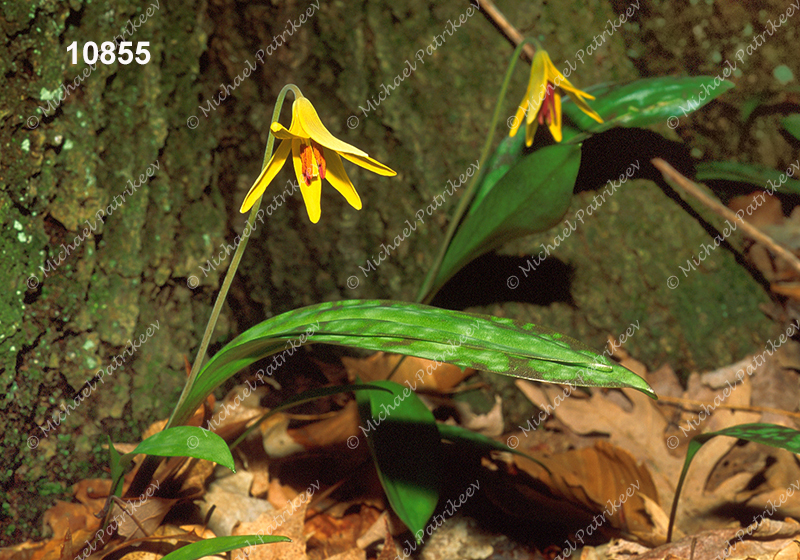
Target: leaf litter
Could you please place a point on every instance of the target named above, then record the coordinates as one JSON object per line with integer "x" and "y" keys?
{"x": 612, "y": 482}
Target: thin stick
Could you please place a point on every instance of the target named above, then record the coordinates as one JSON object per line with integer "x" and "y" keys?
{"x": 509, "y": 31}
{"x": 677, "y": 401}
{"x": 718, "y": 208}
{"x": 122, "y": 505}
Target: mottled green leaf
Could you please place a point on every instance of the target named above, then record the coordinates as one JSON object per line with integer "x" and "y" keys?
{"x": 405, "y": 444}
{"x": 768, "y": 434}
{"x": 467, "y": 340}
{"x": 645, "y": 102}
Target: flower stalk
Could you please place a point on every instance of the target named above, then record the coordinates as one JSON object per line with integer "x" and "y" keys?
{"x": 237, "y": 257}
{"x": 426, "y": 294}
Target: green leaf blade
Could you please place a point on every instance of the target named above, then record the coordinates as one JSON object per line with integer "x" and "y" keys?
{"x": 507, "y": 154}
{"x": 117, "y": 469}
{"x": 792, "y": 125}
{"x": 646, "y": 102}
{"x": 757, "y": 175}
{"x": 466, "y": 340}
{"x": 187, "y": 441}
{"x": 767, "y": 434}
{"x": 218, "y": 545}
{"x": 531, "y": 197}
{"x": 404, "y": 442}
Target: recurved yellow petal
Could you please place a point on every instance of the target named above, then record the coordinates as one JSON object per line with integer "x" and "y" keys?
{"x": 267, "y": 175}
{"x": 537, "y": 86}
{"x": 530, "y": 132}
{"x": 311, "y": 126}
{"x": 542, "y": 101}
{"x": 518, "y": 120}
{"x": 370, "y": 164}
{"x": 337, "y": 177}
{"x": 316, "y": 155}
{"x": 583, "y": 106}
{"x": 283, "y": 133}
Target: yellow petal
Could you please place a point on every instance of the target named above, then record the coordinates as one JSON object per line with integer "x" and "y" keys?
{"x": 370, "y": 164}
{"x": 267, "y": 175}
{"x": 539, "y": 70}
{"x": 311, "y": 193}
{"x": 537, "y": 87}
{"x": 282, "y": 133}
{"x": 574, "y": 93}
{"x": 570, "y": 89}
{"x": 553, "y": 75}
{"x": 530, "y": 132}
{"x": 583, "y": 106}
{"x": 517, "y": 122}
{"x": 535, "y": 105}
{"x": 550, "y": 70}
{"x": 555, "y": 123}
{"x": 339, "y": 179}
{"x": 307, "y": 124}
{"x": 524, "y": 109}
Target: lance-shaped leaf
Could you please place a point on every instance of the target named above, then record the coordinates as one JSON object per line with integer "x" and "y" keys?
{"x": 217, "y": 545}
{"x": 117, "y": 469}
{"x": 768, "y": 434}
{"x": 645, "y": 102}
{"x": 187, "y": 441}
{"x": 507, "y": 154}
{"x": 404, "y": 442}
{"x": 465, "y": 339}
{"x": 760, "y": 176}
{"x": 521, "y": 194}
{"x": 531, "y": 197}
{"x": 792, "y": 125}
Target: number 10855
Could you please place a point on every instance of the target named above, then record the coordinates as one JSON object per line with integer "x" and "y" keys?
{"x": 106, "y": 53}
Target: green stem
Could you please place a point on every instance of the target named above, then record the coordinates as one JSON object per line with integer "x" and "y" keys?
{"x": 426, "y": 294}
{"x": 237, "y": 257}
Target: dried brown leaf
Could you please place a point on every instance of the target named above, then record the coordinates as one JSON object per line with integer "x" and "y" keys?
{"x": 756, "y": 544}
{"x": 352, "y": 554}
{"x": 490, "y": 424}
{"x": 605, "y": 480}
{"x": 379, "y": 366}
{"x": 66, "y": 516}
{"x": 330, "y": 431}
{"x": 287, "y": 522}
{"x": 149, "y": 512}
{"x": 338, "y": 534}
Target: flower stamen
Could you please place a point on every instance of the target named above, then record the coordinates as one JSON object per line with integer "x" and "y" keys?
{"x": 548, "y": 105}
{"x": 313, "y": 162}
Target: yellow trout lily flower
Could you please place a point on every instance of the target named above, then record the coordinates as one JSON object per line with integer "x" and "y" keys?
{"x": 549, "y": 85}
{"x": 316, "y": 155}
